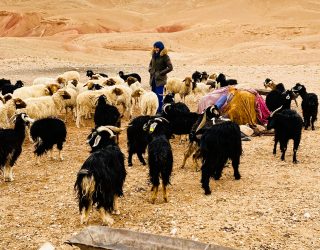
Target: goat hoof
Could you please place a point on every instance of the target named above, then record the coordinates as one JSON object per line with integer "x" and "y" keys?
{"x": 237, "y": 177}
{"x": 144, "y": 164}
{"x": 295, "y": 162}
{"x": 108, "y": 221}
{"x": 129, "y": 164}
{"x": 117, "y": 212}
{"x": 207, "y": 192}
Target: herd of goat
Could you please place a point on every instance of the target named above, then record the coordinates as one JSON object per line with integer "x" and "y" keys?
{"x": 33, "y": 111}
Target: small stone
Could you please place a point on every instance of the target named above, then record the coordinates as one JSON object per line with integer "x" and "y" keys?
{"x": 174, "y": 231}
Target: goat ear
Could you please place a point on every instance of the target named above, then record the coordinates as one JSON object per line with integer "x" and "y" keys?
{"x": 96, "y": 141}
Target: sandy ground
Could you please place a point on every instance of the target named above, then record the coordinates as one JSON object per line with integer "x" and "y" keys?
{"x": 274, "y": 206}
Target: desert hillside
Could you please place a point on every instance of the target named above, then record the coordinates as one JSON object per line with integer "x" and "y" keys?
{"x": 224, "y": 32}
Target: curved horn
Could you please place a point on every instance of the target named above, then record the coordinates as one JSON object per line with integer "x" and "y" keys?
{"x": 276, "y": 111}
{"x": 105, "y": 128}
{"x": 165, "y": 106}
{"x": 161, "y": 119}
{"x": 203, "y": 122}
{"x": 113, "y": 128}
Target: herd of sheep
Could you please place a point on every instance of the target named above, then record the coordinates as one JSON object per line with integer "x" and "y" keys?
{"x": 214, "y": 138}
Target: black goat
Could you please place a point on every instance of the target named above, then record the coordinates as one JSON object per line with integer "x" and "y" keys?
{"x": 287, "y": 125}
{"x": 101, "y": 177}
{"x": 277, "y": 98}
{"x": 106, "y": 114}
{"x": 224, "y": 82}
{"x": 9, "y": 88}
{"x": 160, "y": 158}
{"x": 180, "y": 122}
{"x": 204, "y": 121}
{"x": 124, "y": 77}
{"x": 92, "y": 75}
{"x": 217, "y": 144}
{"x": 309, "y": 105}
{"x": 46, "y": 133}
{"x": 11, "y": 144}
{"x": 137, "y": 138}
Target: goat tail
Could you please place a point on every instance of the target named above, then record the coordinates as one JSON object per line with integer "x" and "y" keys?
{"x": 85, "y": 184}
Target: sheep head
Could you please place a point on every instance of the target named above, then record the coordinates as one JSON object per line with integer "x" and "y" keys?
{"x": 213, "y": 76}
{"x": 7, "y": 97}
{"x": 137, "y": 93}
{"x": 61, "y": 80}
{"x": 19, "y": 103}
{"x": 188, "y": 81}
{"x": 52, "y": 88}
{"x": 110, "y": 82}
{"x": 64, "y": 94}
{"x": 130, "y": 80}
{"x": 117, "y": 91}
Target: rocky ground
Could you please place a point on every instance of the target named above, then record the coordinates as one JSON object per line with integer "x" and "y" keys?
{"x": 275, "y": 205}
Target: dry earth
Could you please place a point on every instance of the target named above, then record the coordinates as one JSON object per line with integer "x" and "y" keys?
{"x": 274, "y": 206}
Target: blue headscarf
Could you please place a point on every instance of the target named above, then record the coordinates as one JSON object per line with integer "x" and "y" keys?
{"x": 160, "y": 46}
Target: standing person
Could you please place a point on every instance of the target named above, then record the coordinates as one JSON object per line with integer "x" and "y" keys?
{"x": 159, "y": 66}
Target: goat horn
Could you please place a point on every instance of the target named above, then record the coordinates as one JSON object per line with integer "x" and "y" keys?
{"x": 105, "y": 128}
{"x": 113, "y": 128}
{"x": 203, "y": 121}
{"x": 276, "y": 111}
{"x": 165, "y": 106}
{"x": 164, "y": 119}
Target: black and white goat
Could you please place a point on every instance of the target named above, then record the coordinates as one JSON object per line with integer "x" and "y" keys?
{"x": 278, "y": 96}
{"x": 9, "y": 88}
{"x": 309, "y": 105}
{"x": 160, "y": 158}
{"x": 11, "y": 144}
{"x": 287, "y": 124}
{"x": 101, "y": 177}
{"x": 92, "y": 75}
{"x": 218, "y": 144}
{"x": 221, "y": 79}
{"x": 124, "y": 77}
{"x": 46, "y": 133}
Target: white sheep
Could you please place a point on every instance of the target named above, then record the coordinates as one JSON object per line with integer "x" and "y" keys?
{"x": 68, "y": 76}
{"x": 134, "y": 84}
{"x": 179, "y": 86}
{"x": 200, "y": 88}
{"x": 148, "y": 101}
{"x": 45, "y": 106}
{"x": 35, "y": 91}
{"x": 71, "y": 103}
{"x": 7, "y": 111}
{"x": 43, "y": 80}
{"x": 121, "y": 95}
{"x": 86, "y": 102}
{"x": 114, "y": 80}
